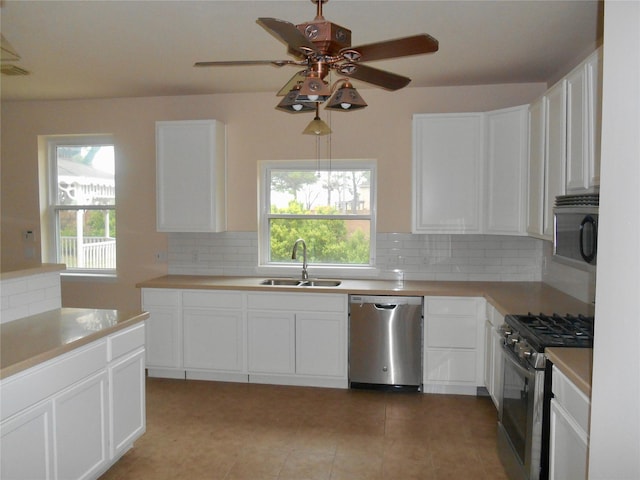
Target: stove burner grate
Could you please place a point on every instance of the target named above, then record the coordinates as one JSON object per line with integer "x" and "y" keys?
{"x": 554, "y": 330}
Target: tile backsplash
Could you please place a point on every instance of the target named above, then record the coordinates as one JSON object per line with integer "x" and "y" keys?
{"x": 417, "y": 256}
{"x": 29, "y": 295}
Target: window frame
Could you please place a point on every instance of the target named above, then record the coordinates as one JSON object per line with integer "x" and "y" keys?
{"x": 52, "y": 208}
{"x": 264, "y": 215}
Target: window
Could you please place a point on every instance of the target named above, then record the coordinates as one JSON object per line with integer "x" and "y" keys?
{"x": 81, "y": 209}
{"x": 332, "y": 209}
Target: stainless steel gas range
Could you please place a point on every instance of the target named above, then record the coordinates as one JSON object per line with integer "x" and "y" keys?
{"x": 523, "y": 423}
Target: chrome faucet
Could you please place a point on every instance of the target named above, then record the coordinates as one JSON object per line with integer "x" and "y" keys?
{"x": 305, "y": 274}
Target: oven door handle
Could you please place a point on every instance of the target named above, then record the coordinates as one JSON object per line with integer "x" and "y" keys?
{"x": 511, "y": 358}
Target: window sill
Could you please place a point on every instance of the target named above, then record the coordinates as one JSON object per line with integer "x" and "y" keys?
{"x": 68, "y": 276}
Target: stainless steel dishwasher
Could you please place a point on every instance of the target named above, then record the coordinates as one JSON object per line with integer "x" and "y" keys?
{"x": 385, "y": 342}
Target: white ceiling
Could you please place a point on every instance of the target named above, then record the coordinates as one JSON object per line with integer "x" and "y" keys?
{"x": 113, "y": 48}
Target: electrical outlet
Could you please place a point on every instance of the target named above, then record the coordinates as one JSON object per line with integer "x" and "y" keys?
{"x": 28, "y": 236}
{"x": 161, "y": 257}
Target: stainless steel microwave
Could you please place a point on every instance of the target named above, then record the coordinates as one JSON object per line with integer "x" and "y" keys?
{"x": 575, "y": 239}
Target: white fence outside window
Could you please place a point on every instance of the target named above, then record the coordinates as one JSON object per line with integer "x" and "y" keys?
{"x": 89, "y": 253}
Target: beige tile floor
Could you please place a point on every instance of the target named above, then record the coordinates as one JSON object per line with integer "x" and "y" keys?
{"x": 225, "y": 431}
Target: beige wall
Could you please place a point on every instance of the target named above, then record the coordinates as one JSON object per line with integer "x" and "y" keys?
{"x": 255, "y": 131}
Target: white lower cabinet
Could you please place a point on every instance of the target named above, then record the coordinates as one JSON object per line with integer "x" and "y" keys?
{"x": 26, "y": 443}
{"x": 298, "y": 339}
{"x": 239, "y": 336}
{"x": 80, "y": 432}
{"x": 271, "y": 342}
{"x": 164, "y": 332}
{"x": 72, "y": 417}
{"x": 569, "y": 432}
{"x": 453, "y": 345}
{"x": 214, "y": 335}
{"x": 320, "y": 344}
{"x": 127, "y": 403}
{"x": 493, "y": 354}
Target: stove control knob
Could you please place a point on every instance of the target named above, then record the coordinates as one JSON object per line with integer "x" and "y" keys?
{"x": 505, "y": 330}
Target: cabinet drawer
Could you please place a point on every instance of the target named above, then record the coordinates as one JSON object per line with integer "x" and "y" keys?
{"x": 38, "y": 383}
{"x": 204, "y": 299}
{"x": 125, "y": 341}
{"x": 297, "y": 302}
{"x": 160, "y": 297}
{"x": 576, "y": 403}
{"x": 451, "y": 332}
{"x": 451, "y": 306}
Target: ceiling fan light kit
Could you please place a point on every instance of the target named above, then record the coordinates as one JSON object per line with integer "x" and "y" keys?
{"x": 346, "y": 98}
{"x": 320, "y": 46}
{"x": 291, "y": 104}
{"x": 317, "y": 127}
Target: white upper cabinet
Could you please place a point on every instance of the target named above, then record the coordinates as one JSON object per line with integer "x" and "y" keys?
{"x": 578, "y": 175}
{"x": 537, "y": 120}
{"x": 447, "y": 166}
{"x": 190, "y": 176}
{"x": 506, "y": 171}
{"x": 547, "y": 158}
{"x": 584, "y": 100}
{"x": 594, "y": 117}
{"x": 555, "y": 153}
{"x": 469, "y": 172}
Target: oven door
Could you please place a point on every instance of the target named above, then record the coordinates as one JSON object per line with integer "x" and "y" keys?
{"x": 520, "y": 418}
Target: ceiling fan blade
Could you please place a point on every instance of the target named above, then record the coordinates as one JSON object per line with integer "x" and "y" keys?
{"x": 289, "y": 34}
{"x": 293, "y": 81}
{"x": 401, "y": 47}
{"x": 381, "y": 78}
{"x": 233, "y": 63}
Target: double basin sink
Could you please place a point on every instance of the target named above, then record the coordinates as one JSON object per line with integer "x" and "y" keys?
{"x": 294, "y": 282}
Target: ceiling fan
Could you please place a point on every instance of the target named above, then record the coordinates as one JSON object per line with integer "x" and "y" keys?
{"x": 320, "y": 46}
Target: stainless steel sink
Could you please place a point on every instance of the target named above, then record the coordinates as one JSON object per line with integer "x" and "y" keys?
{"x": 281, "y": 281}
{"x": 293, "y": 282}
{"x": 321, "y": 283}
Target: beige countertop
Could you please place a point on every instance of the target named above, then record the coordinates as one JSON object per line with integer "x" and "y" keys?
{"x": 575, "y": 363}
{"x": 37, "y": 270}
{"x": 29, "y": 341}
{"x": 506, "y": 297}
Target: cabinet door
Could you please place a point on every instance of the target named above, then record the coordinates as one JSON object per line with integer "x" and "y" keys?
{"x": 488, "y": 358}
{"x": 537, "y": 115}
{"x": 213, "y": 339}
{"x": 80, "y": 435}
{"x": 164, "y": 337}
{"x": 506, "y": 180}
{"x": 190, "y": 176}
{"x": 127, "y": 402}
{"x": 577, "y": 131}
{"x": 271, "y": 342}
{"x": 568, "y": 445}
{"x": 163, "y": 331}
{"x": 26, "y": 444}
{"x": 447, "y": 173}
{"x": 496, "y": 363}
{"x": 594, "y": 116}
{"x": 321, "y": 344}
{"x": 556, "y": 135}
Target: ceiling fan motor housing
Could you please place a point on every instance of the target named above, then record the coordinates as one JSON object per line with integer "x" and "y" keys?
{"x": 329, "y": 37}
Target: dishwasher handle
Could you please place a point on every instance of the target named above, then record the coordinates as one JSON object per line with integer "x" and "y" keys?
{"x": 385, "y": 306}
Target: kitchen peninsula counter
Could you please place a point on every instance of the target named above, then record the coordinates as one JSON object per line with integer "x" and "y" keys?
{"x": 32, "y": 340}
{"x": 575, "y": 363}
{"x": 506, "y": 297}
